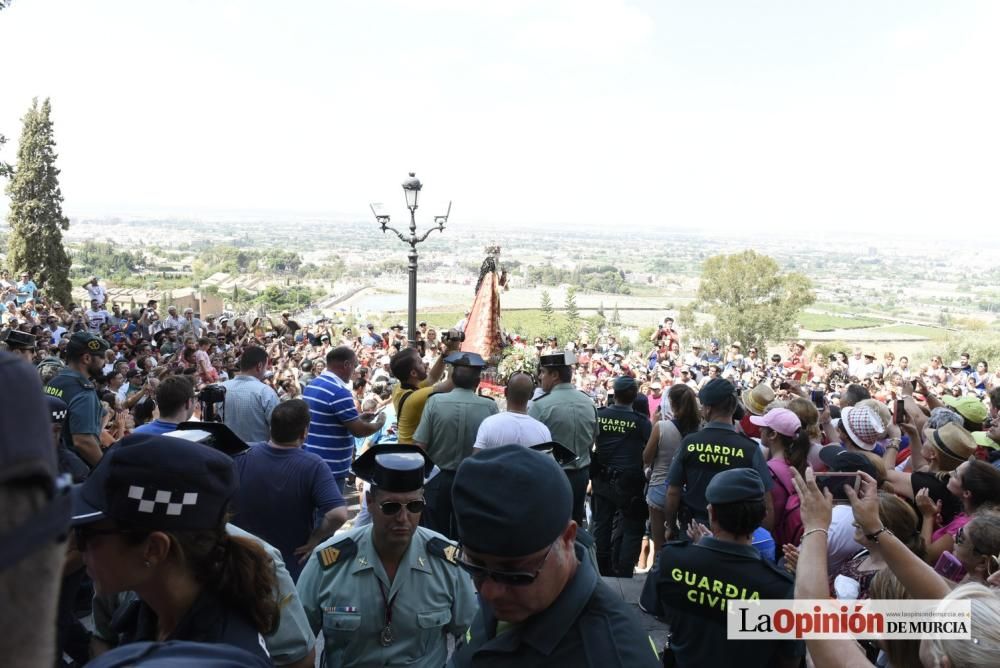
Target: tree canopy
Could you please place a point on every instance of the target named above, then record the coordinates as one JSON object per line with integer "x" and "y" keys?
{"x": 36, "y": 218}
{"x": 749, "y": 299}
{"x": 602, "y": 278}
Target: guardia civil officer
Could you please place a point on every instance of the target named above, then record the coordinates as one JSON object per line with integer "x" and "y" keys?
{"x": 716, "y": 447}
{"x": 618, "y": 481}
{"x": 542, "y": 602}
{"x": 570, "y": 416}
{"x": 695, "y": 580}
{"x": 447, "y": 432}
{"x": 388, "y": 593}
{"x": 74, "y": 385}
{"x": 21, "y": 344}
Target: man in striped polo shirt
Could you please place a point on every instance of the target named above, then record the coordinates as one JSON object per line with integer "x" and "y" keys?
{"x": 334, "y": 420}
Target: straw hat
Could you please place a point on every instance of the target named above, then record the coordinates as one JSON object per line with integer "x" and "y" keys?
{"x": 953, "y": 442}
{"x": 756, "y": 399}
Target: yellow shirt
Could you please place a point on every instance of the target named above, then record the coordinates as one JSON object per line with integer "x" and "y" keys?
{"x": 408, "y": 420}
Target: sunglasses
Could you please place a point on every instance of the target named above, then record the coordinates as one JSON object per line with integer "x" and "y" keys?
{"x": 86, "y": 533}
{"x": 391, "y": 508}
{"x": 509, "y": 578}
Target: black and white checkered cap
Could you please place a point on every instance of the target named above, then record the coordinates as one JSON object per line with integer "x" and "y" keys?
{"x": 157, "y": 483}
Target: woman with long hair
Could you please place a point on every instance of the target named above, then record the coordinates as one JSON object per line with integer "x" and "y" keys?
{"x": 975, "y": 484}
{"x": 151, "y": 519}
{"x": 788, "y": 445}
{"x": 664, "y": 442}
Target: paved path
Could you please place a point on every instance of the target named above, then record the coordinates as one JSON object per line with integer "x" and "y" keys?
{"x": 629, "y": 589}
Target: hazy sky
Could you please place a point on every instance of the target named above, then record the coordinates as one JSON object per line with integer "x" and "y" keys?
{"x": 783, "y": 116}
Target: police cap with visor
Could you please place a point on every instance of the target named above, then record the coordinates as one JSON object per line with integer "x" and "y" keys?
{"x": 394, "y": 467}
{"x": 158, "y": 483}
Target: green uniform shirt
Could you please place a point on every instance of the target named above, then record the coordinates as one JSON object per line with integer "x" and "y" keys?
{"x": 450, "y": 423}
{"x": 571, "y": 417}
{"x": 431, "y": 598}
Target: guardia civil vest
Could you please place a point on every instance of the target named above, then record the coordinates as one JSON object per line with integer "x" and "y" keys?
{"x": 67, "y": 385}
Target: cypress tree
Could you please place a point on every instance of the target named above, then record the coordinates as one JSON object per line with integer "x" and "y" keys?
{"x": 36, "y": 219}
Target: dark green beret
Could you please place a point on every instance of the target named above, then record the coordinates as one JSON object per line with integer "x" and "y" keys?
{"x": 734, "y": 486}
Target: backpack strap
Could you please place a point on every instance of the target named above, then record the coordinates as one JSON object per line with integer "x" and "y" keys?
{"x": 402, "y": 400}
{"x": 783, "y": 476}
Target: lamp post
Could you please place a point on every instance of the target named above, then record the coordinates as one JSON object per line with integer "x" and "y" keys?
{"x": 411, "y": 189}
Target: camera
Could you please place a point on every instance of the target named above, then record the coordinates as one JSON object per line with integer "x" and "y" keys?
{"x": 213, "y": 403}
{"x": 453, "y": 335}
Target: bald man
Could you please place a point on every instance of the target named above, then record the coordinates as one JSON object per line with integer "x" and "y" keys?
{"x": 515, "y": 426}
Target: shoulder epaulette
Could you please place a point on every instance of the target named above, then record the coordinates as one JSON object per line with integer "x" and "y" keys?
{"x": 439, "y": 547}
{"x": 341, "y": 550}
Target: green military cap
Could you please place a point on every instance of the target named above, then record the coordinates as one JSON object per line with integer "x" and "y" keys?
{"x": 735, "y": 486}
{"x": 87, "y": 342}
{"x": 623, "y": 384}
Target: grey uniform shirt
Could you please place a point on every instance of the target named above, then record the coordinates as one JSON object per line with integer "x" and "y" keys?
{"x": 571, "y": 417}
{"x": 348, "y": 598}
{"x": 450, "y": 424}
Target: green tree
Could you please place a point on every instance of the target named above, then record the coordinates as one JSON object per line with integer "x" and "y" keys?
{"x": 616, "y": 318}
{"x": 6, "y": 171}
{"x": 572, "y": 315}
{"x": 36, "y": 219}
{"x": 548, "y": 313}
{"x": 748, "y": 299}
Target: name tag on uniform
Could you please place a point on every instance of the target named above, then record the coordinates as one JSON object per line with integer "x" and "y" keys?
{"x": 339, "y": 608}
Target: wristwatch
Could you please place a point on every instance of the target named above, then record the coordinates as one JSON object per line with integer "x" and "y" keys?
{"x": 873, "y": 537}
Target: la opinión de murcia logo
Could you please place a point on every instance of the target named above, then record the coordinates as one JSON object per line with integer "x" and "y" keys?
{"x": 830, "y": 619}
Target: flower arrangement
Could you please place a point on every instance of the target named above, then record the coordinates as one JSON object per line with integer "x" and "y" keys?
{"x": 516, "y": 360}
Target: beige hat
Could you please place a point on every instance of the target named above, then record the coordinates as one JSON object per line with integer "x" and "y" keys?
{"x": 954, "y": 444}
{"x": 757, "y": 399}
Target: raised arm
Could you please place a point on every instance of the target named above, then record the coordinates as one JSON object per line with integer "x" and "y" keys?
{"x": 916, "y": 576}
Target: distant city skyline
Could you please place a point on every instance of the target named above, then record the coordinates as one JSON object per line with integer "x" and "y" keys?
{"x": 790, "y": 118}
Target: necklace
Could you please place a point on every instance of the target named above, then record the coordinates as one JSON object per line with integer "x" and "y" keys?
{"x": 385, "y": 637}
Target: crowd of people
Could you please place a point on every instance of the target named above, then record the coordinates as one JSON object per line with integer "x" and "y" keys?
{"x": 213, "y": 457}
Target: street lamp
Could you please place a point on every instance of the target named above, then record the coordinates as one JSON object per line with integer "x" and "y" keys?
{"x": 411, "y": 188}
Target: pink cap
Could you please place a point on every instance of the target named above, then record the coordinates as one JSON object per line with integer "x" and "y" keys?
{"x": 781, "y": 420}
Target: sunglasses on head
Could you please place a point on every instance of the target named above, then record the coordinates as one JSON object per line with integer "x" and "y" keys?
{"x": 509, "y": 578}
{"x": 391, "y": 508}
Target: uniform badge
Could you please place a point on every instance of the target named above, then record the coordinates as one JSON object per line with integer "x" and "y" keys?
{"x": 328, "y": 556}
{"x": 443, "y": 549}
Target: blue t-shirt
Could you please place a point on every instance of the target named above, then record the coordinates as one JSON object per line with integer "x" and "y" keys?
{"x": 280, "y": 491}
{"x": 156, "y": 427}
{"x": 331, "y": 406}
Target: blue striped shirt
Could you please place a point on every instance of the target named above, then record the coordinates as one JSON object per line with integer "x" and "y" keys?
{"x": 331, "y": 406}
